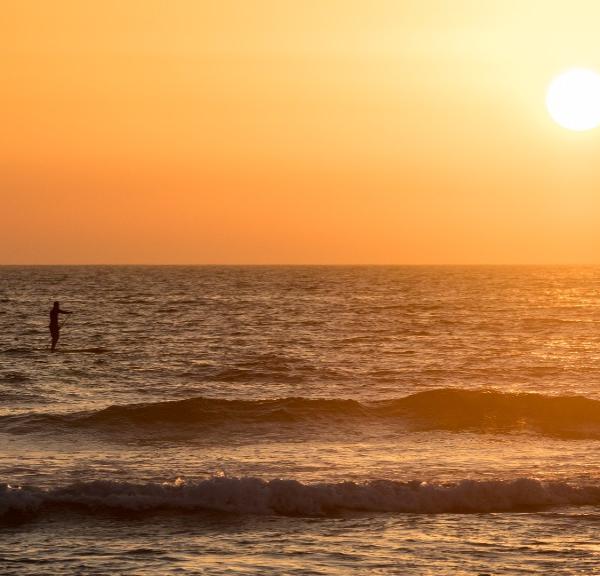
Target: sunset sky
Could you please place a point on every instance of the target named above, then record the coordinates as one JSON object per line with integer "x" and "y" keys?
{"x": 274, "y": 131}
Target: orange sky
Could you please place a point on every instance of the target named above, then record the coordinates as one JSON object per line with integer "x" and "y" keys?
{"x": 278, "y": 131}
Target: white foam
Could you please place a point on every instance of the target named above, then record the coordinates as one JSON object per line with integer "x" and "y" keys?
{"x": 290, "y": 497}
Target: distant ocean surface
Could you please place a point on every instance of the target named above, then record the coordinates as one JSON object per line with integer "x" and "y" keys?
{"x": 300, "y": 420}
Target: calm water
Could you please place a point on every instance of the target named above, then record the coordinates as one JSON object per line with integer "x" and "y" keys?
{"x": 300, "y": 420}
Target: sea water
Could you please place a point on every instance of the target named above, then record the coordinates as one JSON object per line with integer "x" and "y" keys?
{"x": 300, "y": 420}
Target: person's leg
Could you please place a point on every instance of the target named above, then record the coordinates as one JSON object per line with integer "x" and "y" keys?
{"x": 55, "y": 336}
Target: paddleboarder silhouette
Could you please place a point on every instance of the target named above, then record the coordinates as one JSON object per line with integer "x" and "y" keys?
{"x": 54, "y": 325}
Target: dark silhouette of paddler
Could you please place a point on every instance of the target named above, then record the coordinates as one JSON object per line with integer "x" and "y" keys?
{"x": 54, "y": 325}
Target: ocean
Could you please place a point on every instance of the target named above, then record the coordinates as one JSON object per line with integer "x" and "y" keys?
{"x": 300, "y": 420}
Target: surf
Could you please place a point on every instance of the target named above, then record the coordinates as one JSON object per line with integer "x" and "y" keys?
{"x": 289, "y": 497}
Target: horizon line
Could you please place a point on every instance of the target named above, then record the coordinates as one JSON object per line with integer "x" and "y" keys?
{"x": 305, "y": 264}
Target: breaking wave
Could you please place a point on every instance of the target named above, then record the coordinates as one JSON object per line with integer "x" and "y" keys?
{"x": 442, "y": 409}
{"x": 293, "y": 498}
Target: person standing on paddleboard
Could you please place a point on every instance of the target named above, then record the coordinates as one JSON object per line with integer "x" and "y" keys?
{"x": 54, "y": 325}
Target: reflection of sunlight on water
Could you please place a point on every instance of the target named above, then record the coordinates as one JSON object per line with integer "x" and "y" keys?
{"x": 286, "y": 335}
{"x": 435, "y": 456}
{"x": 387, "y": 544}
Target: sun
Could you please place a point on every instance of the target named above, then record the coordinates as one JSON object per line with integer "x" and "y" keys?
{"x": 573, "y": 99}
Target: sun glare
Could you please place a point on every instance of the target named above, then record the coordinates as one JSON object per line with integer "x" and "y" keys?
{"x": 573, "y": 99}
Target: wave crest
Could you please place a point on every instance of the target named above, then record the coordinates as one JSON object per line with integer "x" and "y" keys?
{"x": 293, "y": 498}
{"x": 494, "y": 411}
{"x": 443, "y": 409}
